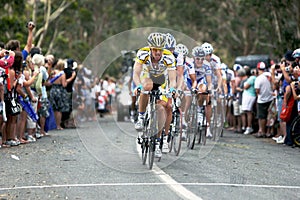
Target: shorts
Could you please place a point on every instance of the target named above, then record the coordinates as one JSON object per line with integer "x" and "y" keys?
{"x": 44, "y": 106}
{"x": 248, "y": 102}
{"x": 262, "y": 110}
{"x": 30, "y": 123}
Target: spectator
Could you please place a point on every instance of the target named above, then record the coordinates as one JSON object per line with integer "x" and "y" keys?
{"x": 58, "y": 93}
{"x": 25, "y": 81}
{"x": 249, "y": 98}
{"x": 39, "y": 60}
{"x": 240, "y": 90}
{"x": 264, "y": 93}
{"x": 70, "y": 71}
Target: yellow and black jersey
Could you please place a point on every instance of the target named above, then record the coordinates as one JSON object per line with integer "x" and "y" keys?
{"x": 167, "y": 62}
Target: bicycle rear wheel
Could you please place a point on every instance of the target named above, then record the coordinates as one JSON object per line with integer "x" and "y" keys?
{"x": 295, "y": 131}
{"x": 170, "y": 140}
{"x": 176, "y": 138}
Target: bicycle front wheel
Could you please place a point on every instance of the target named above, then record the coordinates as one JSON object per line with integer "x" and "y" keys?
{"x": 192, "y": 130}
{"x": 176, "y": 136}
{"x": 151, "y": 151}
{"x": 145, "y": 148}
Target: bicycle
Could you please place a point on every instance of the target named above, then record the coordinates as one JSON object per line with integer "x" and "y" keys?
{"x": 195, "y": 128}
{"x": 175, "y": 133}
{"x": 150, "y": 131}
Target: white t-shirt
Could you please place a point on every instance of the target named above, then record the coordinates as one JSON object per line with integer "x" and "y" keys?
{"x": 265, "y": 89}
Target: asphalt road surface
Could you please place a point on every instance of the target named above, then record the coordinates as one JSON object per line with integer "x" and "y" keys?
{"x": 100, "y": 160}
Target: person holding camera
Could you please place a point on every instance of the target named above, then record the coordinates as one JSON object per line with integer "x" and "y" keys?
{"x": 14, "y": 45}
{"x": 290, "y": 73}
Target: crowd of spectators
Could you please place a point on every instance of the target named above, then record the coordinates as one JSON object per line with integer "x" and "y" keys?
{"x": 263, "y": 101}
{"x": 37, "y": 93}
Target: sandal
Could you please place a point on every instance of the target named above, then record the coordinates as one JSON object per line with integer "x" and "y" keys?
{"x": 260, "y": 135}
{"x": 23, "y": 141}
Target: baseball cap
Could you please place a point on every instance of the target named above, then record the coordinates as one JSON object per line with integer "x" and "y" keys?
{"x": 236, "y": 67}
{"x": 261, "y": 66}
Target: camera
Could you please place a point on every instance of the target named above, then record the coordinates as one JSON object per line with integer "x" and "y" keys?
{"x": 296, "y": 84}
{"x": 287, "y": 69}
{"x": 30, "y": 24}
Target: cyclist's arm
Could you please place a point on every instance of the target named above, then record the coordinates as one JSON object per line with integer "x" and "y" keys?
{"x": 180, "y": 80}
{"x": 220, "y": 79}
{"x": 194, "y": 80}
{"x": 172, "y": 78}
{"x": 137, "y": 70}
{"x": 209, "y": 82}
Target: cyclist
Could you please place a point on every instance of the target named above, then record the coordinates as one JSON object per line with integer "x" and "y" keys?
{"x": 229, "y": 90}
{"x": 217, "y": 80}
{"x": 199, "y": 79}
{"x": 156, "y": 63}
{"x": 215, "y": 63}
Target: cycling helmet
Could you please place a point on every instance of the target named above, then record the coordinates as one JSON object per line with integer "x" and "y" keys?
{"x": 181, "y": 48}
{"x": 170, "y": 41}
{"x": 296, "y": 53}
{"x": 198, "y": 51}
{"x": 156, "y": 40}
{"x": 208, "y": 49}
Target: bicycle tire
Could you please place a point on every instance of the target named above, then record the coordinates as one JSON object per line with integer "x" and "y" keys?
{"x": 176, "y": 138}
{"x": 151, "y": 152}
{"x": 192, "y": 127}
{"x": 295, "y": 131}
{"x": 152, "y": 141}
{"x": 145, "y": 142}
{"x": 145, "y": 149}
{"x": 170, "y": 144}
{"x": 213, "y": 125}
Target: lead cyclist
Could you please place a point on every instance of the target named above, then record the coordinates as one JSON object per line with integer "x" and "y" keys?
{"x": 155, "y": 62}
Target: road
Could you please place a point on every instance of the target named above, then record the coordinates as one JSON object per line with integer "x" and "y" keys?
{"x": 100, "y": 160}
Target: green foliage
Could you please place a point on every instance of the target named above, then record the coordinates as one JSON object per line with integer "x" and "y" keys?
{"x": 234, "y": 27}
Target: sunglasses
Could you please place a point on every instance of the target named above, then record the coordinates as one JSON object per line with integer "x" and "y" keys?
{"x": 199, "y": 58}
{"x": 156, "y": 49}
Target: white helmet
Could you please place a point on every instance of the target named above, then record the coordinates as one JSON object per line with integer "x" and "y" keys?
{"x": 181, "y": 48}
{"x": 296, "y": 53}
{"x": 170, "y": 41}
{"x": 156, "y": 40}
{"x": 208, "y": 49}
{"x": 198, "y": 51}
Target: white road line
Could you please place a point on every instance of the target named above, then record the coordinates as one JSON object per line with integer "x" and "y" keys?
{"x": 174, "y": 184}
{"x": 170, "y": 182}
